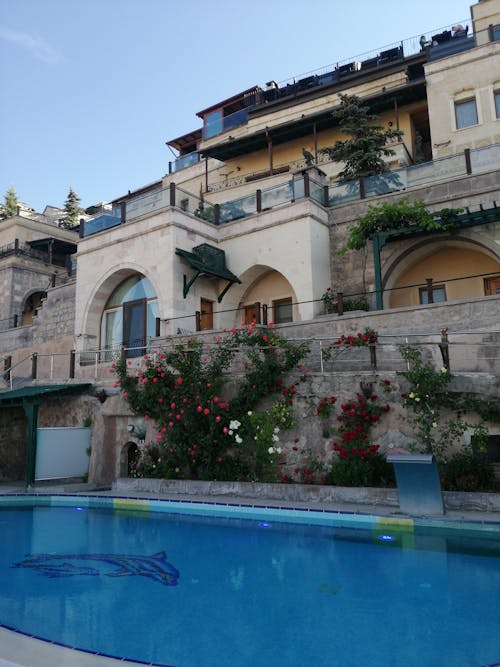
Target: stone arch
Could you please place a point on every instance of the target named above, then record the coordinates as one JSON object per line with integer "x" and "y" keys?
{"x": 100, "y": 294}
{"x": 31, "y": 304}
{"x": 128, "y": 456}
{"x": 451, "y": 262}
{"x": 266, "y": 285}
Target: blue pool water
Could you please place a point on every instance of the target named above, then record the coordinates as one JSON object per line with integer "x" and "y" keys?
{"x": 191, "y": 591}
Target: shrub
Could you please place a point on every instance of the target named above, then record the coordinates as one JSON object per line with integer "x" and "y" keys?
{"x": 467, "y": 471}
{"x": 373, "y": 470}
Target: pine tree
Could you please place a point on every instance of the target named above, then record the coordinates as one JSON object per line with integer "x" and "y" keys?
{"x": 72, "y": 210}
{"x": 11, "y": 202}
{"x": 363, "y": 153}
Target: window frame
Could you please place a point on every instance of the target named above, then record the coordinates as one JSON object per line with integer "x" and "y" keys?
{"x": 277, "y": 304}
{"x": 460, "y": 103}
{"x": 435, "y": 288}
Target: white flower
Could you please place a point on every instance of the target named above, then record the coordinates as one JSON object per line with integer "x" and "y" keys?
{"x": 444, "y": 370}
{"x": 230, "y": 432}
{"x": 271, "y": 450}
{"x": 238, "y": 439}
{"x": 279, "y": 450}
{"x": 234, "y": 424}
{"x": 249, "y": 413}
{"x": 417, "y": 399}
{"x": 412, "y": 395}
{"x": 434, "y": 425}
{"x": 275, "y": 438}
{"x": 276, "y": 429}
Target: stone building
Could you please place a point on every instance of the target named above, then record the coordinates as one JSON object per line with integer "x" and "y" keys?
{"x": 248, "y": 221}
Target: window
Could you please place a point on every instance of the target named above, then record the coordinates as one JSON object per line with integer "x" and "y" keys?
{"x": 497, "y": 103}
{"x": 495, "y": 32}
{"x": 466, "y": 113}
{"x": 282, "y": 310}
{"x": 438, "y": 294}
{"x": 129, "y": 317}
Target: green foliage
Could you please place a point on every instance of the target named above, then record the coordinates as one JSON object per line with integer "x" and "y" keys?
{"x": 363, "y": 154}
{"x": 331, "y": 306}
{"x": 428, "y": 394}
{"x": 11, "y": 202}
{"x": 467, "y": 471}
{"x": 201, "y": 435}
{"x": 72, "y": 211}
{"x": 354, "y": 471}
{"x": 400, "y": 214}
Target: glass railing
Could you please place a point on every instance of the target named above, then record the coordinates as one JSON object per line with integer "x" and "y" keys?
{"x": 316, "y": 191}
{"x": 217, "y": 125}
{"x": 485, "y": 159}
{"x": 186, "y": 161}
{"x": 147, "y": 204}
{"x": 282, "y": 194}
{"x": 238, "y": 208}
{"x": 102, "y": 222}
{"x": 235, "y": 119}
{"x": 189, "y": 203}
{"x": 343, "y": 192}
{"x": 481, "y": 160}
{"x": 428, "y": 172}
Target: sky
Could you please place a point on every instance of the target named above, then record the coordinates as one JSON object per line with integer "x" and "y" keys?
{"x": 92, "y": 89}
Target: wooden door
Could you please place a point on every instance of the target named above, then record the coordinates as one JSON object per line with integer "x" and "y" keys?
{"x": 492, "y": 285}
{"x": 206, "y": 314}
{"x": 252, "y": 313}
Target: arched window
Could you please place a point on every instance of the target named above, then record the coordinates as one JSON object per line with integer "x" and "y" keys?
{"x": 129, "y": 317}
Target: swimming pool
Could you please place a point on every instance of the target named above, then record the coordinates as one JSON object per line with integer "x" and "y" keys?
{"x": 206, "y": 585}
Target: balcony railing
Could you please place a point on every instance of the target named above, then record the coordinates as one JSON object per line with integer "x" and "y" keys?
{"x": 474, "y": 161}
{"x": 184, "y": 161}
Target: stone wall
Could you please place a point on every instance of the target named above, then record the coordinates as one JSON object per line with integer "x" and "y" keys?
{"x": 466, "y": 191}
{"x": 13, "y": 431}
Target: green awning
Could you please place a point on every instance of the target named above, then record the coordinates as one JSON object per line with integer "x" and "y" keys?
{"x": 207, "y": 260}
{"x": 34, "y": 393}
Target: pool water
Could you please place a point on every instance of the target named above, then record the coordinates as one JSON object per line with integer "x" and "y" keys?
{"x": 191, "y": 591}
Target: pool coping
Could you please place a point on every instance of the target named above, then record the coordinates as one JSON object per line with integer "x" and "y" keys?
{"x": 367, "y": 518}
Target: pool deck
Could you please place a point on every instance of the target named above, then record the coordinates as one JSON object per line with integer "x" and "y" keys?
{"x": 18, "y": 650}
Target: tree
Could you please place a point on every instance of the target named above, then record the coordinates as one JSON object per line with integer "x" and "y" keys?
{"x": 11, "y": 202}
{"x": 363, "y": 154}
{"x": 72, "y": 210}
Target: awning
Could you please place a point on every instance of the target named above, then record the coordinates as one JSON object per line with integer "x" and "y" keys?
{"x": 56, "y": 246}
{"x": 34, "y": 393}
{"x": 207, "y": 260}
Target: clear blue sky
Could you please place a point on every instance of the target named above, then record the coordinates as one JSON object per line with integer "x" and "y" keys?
{"x": 92, "y": 89}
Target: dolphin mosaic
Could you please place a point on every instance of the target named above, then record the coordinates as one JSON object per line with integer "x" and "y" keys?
{"x": 155, "y": 567}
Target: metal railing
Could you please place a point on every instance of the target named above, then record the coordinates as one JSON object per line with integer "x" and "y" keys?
{"x": 470, "y": 162}
{"x": 474, "y": 351}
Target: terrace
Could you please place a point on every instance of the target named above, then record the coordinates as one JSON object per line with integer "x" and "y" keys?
{"x": 305, "y": 183}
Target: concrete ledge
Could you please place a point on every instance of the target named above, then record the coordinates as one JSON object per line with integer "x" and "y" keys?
{"x": 480, "y": 502}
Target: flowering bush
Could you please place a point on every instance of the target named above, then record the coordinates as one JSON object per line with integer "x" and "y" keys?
{"x": 361, "y": 339}
{"x": 200, "y": 434}
{"x": 359, "y": 462}
{"x": 325, "y": 407}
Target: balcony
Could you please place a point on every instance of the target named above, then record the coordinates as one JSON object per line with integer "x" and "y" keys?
{"x": 301, "y": 185}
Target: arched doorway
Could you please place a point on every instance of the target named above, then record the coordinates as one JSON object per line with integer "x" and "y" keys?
{"x": 458, "y": 269}
{"x": 272, "y": 289}
{"x": 31, "y": 307}
{"x": 128, "y": 459}
{"x": 129, "y": 316}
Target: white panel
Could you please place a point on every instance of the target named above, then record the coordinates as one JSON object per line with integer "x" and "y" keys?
{"x": 62, "y": 452}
